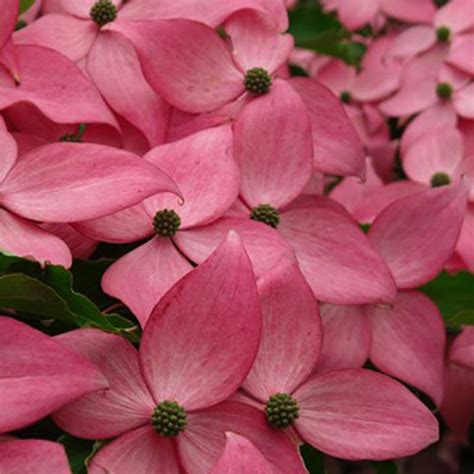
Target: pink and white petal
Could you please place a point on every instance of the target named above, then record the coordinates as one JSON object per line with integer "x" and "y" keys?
{"x": 113, "y": 56}
{"x": 141, "y": 451}
{"x": 240, "y": 456}
{"x": 413, "y": 41}
{"x": 49, "y": 80}
{"x": 359, "y": 414}
{"x": 207, "y": 174}
{"x": 337, "y": 147}
{"x": 416, "y": 235}
{"x": 126, "y": 403}
{"x": 375, "y": 84}
{"x": 256, "y": 42}
{"x": 281, "y": 365}
{"x": 457, "y": 16}
{"x": 355, "y": 14}
{"x": 9, "y": 150}
{"x": 203, "y": 442}
{"x": 347, "y": 336}
{"x": 462, "y": 349}
{"x": 71, "y": 182}
{"x": 141, "y": 277}
{"x": 325, "y": 238}
{"x": 264, "y": 245}
{"x": 24, "y": 239}
{"x": 73, "y": 37}
{"x": 200, "y": 78}
{"x": 18, "y": 456}
{"x": 273, "y": 147}
{"x": 80, "y": 8}
{"x": 434, "y": 153}
{"x": 38, "y": 375}
{"x": 203, "y": 336}
{"x": 421, "y": 11}
{"x": 463, "y": 101}
{"x": 403, "y": 348}
{"x": 460, "y": 53}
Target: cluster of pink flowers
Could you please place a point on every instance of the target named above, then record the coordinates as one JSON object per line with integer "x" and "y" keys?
{"x": 177, "y": 124}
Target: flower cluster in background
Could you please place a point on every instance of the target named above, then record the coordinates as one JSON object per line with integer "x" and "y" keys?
{"x": 236, "y": 236}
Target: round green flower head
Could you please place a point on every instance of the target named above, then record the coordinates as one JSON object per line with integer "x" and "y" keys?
{"x": 345, "y": 97}
{"x": 444, "y": 90}
{"x": 169, "y": 418}
{"x": 281, "y": 410}
{"x": 103, "y": 12}
{"x": 443, "y": 33}
{"x": 266, "y": 214}
{"x": 257, "y": 80}
{"x": 440, "y": 179}
{"x": 166, "y": 222}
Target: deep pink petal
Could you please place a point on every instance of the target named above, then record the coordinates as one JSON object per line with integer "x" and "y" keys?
{"x": 141, "y": 451}
{"x": 463, "y": 101}
{"x": 67, "y": 182}
{"x": 421, "y": 11}
{"x": 202, "y": 338}
{"x": 402, "y": 347}
{"x": 460, "y": 53}
{"x": 9, "y": 151}
{"x": 337, "y": 147}
{"x": 113, "y": 56}
{"x": 462, "y": 349}
{"x": 189, "y": 65}
{"x": 126, "y": 404}
{"x": 334, "y": 254}
{"x": 347, "y": 336}
{"x": 281, "y": 364}
{"x": 413, "y": 41}
{"x": 203, "y": 441}
{"x": 355, "y": 14}
{"x": 20, "y": 456}
{"x": 38, "y": 375}
{"x": 416, "y": 235}
{"x": 360, "y": 414}
{"x": 273, "y": 147}
{"x": 144, "y": 275}
{"x": 203, "y": 167}
{"x": 464, "y": 247}
{"x": 7, "y": 20}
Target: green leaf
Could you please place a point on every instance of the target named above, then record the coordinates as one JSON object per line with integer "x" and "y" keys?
{"x": 78, "y": 451}
{"x": 384, "y": 467}
{"x": 454, "y": 296}
{"x": 25, "y": 5}
{"x": 313, "y": 459}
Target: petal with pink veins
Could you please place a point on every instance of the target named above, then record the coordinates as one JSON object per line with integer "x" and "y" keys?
{"x": 359, "y": 414}
{"x": 7, "y": 20}
{"x": 421, "y": 11}
{"x": 463, "y": 101}
{"x": 375, "y": 84}
{"x": 9, "y": 151}
{"x": 464, "y": 247}
{"x": 273, "y": 147}
{"x": 457, "y": 16}
{"x": 462, "y": 349}
{"x": 460, "y": 53}
{"x": 413, "y": 41}
{"x": 126, "y": 404}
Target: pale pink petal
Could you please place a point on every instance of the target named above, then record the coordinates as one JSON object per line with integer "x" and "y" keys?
{"x": 282, "y": 364}
{"x": 66, "y": 34}
{"x": 126, "y": 404}
{"x": 436, "y": 152}
{"x": 80, "y": 8}
{"x": 457, "y": 16}
{"x": 413, "y": 41}
{"x": 273, "y": 147}
{"x": 24, "y": 239}
{"x": 189, "y": 64}
{"x": 141, "y": 451}
{"x": 203, "y": 167}
{"x": 113, "y": 56}
{"x": 256, "y": 42}
{"x": 337, "y": 147}
{"x": 56, "y": 86}
{"x": 360, "y": 414}
{"x": 463, "y": 101}
{"x": 9, "y": 151}
{"x": 355, "y": 15}
{"x": 264, "y": 245}
{"x": 347, "y": 336}
{"x": 460, "y": 53}
{"x": 334, "y": 255}
{"x": 462, "y": 349}
{"x": 403, "y": 348}
{"x": 240, "y": 456}
{"x": 416, "y": 235}
{"x": 38, "y": 375}
{"x": 141, "y": 277}
{"x": 68, "y": 182}
{"x": 420, "y": 11}
{"x": 202, "y": 338}
{"x": 337, "y": 76}
{"x": 375, "y": 84}
{"x": 202, "y": 443}
{"x": 20, "y": 456}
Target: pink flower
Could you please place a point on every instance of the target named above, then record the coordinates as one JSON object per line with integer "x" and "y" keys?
{"x": 38, "y": 375}
{"x": 350, "y": 414}
{"x": 167, "y": 403}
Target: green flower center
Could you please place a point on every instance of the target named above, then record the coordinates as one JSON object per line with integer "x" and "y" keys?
{"x": 443, "y": 33}
{"x": 257, "y": 80}
{"x": 103, "y": 12}
{"x": 440, "y": 179}
{"x": 281, "y": 410}
{"x": 345, "y": 97}
{"x": 169, "y": 418}
{"x": 166, "y": 222}
{"x": 440, "y": 3}
{"x": 266, "y": 214}
{"x": 444, "y": 90}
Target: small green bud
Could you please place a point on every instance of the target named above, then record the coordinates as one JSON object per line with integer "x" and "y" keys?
{"x": 266, "y": 214}
{"x": 444, "y": 90}
{"x": 166, "y": 223}
{"x": 443, "y": 33}
{"x": 257, "y": 81}
{"x": 103, "y": 12}
{"x": 345, "y": 97}
{"x": 281, "y": 410}
{"x": 169, "y": 418}
{"x": 440, "y": 179}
